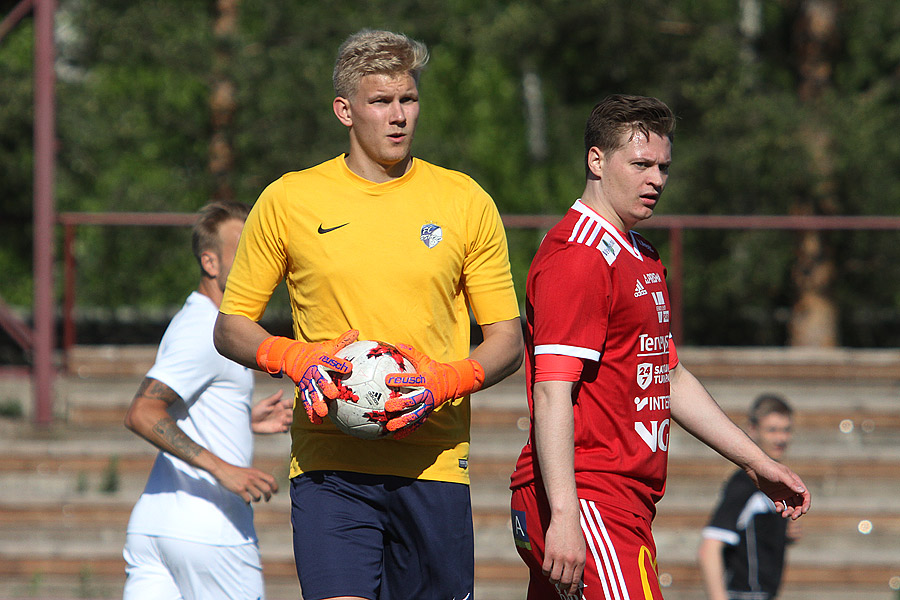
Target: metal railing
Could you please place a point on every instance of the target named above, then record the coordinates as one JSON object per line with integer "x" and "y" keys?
{"x": 675, "y": 225}
{"x": 70, "y": 222}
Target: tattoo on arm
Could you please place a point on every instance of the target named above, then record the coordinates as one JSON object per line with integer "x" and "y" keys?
{"x": 169, "y": 435}
{"x": 151, "y": 388}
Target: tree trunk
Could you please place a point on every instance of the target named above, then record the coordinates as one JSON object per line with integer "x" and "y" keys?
{"x": 750, "y": 27}
{"x": 535, "y": 115}
{"x": 222, "y": 103}
{"x": 814, "y": 318}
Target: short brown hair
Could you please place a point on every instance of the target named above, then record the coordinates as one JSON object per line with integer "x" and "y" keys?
{"x": 205, "y": 235}
{"x": 767, "y": 404}
{"x": 369, "y": 52}
{"x": 618, "y": 114}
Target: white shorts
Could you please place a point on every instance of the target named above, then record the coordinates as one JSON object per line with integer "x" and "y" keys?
{"x": 162, "y": 568}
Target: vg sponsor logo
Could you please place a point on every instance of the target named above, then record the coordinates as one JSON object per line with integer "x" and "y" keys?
{"x": 654, "y": 433}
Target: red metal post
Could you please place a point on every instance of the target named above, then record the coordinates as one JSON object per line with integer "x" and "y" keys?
{"x": 15, "y": 15}
{"x": 68, "y": 291}
{"x": 44, "y": 209}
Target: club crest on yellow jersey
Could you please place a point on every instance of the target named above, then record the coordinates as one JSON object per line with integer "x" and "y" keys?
{"x": 431, "y": 234}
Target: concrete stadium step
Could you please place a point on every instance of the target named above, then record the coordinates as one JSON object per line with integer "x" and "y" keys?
{"x": 860, "y": 497}
{"x": 493, "y": 581}
{"x": 847, "y": 535}
{"x": 683, "y": 582}
{"x": 104, "y": 578}
{"x": 812, "y": 560}
{"x": 104, "y": 399}
{"x": 841, "y": 482}
{"x": 75, "y": 460}
{"x": 102, "y": 380}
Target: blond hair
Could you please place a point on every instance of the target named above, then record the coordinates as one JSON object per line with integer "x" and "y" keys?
{"x": 369, "y": 52}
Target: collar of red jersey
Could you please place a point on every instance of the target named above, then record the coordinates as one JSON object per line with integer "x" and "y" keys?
{"x": 630, "y": 244}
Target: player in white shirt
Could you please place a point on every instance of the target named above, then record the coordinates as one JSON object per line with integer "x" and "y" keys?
{"x": 191, "y": 533}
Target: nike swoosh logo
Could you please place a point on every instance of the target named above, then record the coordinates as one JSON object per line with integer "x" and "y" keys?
{"x": 324, "y": 230}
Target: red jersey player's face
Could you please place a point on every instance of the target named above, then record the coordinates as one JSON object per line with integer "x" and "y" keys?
{"x": 382, "y": 117}
{"x": 633, "y": 176}
{"x": 773, "y": 434}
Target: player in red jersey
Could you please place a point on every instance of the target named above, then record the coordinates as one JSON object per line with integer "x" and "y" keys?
{"x": 604, "y": 379}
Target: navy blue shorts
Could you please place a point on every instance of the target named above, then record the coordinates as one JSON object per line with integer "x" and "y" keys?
{"x": 382, "y": 537}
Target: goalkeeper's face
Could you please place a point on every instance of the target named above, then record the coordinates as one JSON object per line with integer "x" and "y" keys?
{"x": 382, "y": 117}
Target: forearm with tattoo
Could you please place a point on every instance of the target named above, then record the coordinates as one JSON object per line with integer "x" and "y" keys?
{"x": 179, "y": 444}
{"x": 168, "y": 435}
{"x": 155, "y": 390}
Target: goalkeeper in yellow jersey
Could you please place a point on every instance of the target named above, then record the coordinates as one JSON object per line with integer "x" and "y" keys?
{"x": 377, "y": 244}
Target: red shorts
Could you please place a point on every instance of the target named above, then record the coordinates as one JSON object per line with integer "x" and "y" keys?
{"x": 621, "y": 554}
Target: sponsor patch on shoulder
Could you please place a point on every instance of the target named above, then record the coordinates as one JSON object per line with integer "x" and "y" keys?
{"x": 609, "y": 248}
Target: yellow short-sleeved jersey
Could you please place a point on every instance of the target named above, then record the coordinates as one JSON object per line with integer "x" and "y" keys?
{"x": 402, "y": 262}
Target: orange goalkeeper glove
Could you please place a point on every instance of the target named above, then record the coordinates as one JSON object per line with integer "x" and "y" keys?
{"x": 305, "y": 363}
{"x": 439, "y": 382}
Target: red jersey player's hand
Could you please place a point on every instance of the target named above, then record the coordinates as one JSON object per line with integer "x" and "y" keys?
{"x": 564, "y": 555}
{"x": 306, "y": 365}
{"x": 783, "y": 487}
{"x": 438, "y": 381}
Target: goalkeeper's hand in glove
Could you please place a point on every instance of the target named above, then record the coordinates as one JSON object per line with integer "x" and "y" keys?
{"x": 438, "y": 382}
{"x": 306, "y": 363}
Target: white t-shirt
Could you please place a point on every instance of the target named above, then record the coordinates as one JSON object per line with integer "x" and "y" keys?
{"x": 180, "y": 501}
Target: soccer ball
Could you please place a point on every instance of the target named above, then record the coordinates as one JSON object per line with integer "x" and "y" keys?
{"x": 359, "y": 409}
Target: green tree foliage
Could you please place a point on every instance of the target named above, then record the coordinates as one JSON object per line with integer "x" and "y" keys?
{"x": 864, "y": 115}
{"x": 504, "y": 99}
{"x": 16, "y": 160}
{"x": 134, "y": 128}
